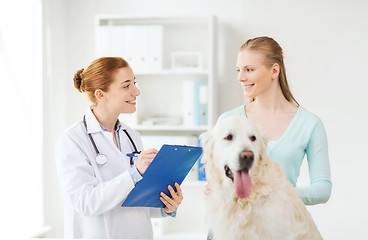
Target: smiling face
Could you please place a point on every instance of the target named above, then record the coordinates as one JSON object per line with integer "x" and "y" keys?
{"x": 235, "y": 144}
{"x": 254, "y": 76}
{"x": 122, "y": 93}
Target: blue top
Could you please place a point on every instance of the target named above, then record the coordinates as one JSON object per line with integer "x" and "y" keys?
{"x": 305, "y": 135}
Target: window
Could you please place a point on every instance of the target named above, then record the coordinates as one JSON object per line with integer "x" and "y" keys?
{"x": 21, "y": 117}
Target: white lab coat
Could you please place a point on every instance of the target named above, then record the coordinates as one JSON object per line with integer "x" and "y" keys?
{"x": 93, "y": 193}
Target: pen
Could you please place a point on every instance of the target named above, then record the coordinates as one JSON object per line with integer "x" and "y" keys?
{"x": 132, "y": 154}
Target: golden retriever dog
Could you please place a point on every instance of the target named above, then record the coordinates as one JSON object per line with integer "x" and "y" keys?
{"x": 251, "y": 197}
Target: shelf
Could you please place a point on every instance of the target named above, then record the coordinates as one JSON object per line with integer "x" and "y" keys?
{"x": 173, "y": 72}
{"x": 195, "y": 129}
{"x": 183, "y": 236}
{"x": 118, "y": 19}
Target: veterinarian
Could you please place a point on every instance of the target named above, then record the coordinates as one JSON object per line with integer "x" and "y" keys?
{"x": 95, "y": 159}
{"x": 293, "y": 132}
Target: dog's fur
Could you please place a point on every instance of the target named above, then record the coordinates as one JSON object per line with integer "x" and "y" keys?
{"x": 272, "y": 211}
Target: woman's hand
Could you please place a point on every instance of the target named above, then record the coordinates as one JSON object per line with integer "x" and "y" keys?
{"x": 145, "y": 159}
{"x": 172, "y": 203}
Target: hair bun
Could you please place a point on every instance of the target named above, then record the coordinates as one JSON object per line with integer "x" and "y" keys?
{"x": 78, "y": 77}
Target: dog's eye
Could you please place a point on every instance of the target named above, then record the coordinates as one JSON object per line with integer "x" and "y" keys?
{"x": 252, "y": 138}
{"x": 229, "y": 137}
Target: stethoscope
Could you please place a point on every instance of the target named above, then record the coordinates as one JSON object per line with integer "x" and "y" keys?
{"x": 102, "y": 158}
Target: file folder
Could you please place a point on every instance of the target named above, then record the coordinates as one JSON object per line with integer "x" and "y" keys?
{"x": 171, "y": 164}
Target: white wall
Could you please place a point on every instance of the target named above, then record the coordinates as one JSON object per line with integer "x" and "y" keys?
{"x": 325, "y": 53}
{"x": 56, "y": 106}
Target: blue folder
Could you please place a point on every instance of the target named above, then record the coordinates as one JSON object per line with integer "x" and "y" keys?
{"x": 171, "y": 164}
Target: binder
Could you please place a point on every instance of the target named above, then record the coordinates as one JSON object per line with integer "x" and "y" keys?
{"x": 188, "y": 103}
{"x": 203, "y": 104}
{"x": 103, "y": 41}
{"x": 196, "y": 103}
{"x": 155, "y": 46}
{"x": 117, "y": 41}
{"x": 201, "y": 167}
{"x": 171, "y": 164}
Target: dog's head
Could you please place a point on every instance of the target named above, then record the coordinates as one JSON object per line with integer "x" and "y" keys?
{"x": 232, "y": 151}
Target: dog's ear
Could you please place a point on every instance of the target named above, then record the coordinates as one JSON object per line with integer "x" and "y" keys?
{"x": 263, "y": 140}
{"x": 206, "y": 143}
{"x": 205, "y": 138}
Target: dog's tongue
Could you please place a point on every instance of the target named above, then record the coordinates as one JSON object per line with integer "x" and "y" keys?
{"x": 243, "y": 184}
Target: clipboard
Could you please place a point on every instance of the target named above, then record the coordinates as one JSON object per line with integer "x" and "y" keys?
{"x": 171, "y": 164}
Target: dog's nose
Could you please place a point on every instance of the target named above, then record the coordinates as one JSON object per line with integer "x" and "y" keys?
{"x": 246, "y": 159}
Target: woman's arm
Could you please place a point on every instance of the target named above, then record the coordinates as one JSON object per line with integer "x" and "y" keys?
{"x": 89, "y": 196}
{"x": 319, "y": 190}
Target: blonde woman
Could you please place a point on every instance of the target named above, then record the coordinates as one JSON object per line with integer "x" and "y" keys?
{"x": 293, "y": 132}
{"x": 96, "y": 160}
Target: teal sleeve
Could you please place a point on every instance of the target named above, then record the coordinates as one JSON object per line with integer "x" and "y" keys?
{"x": 239, "y": 111}
{"x": 226, "y": 115}
{"x": 319, "y": 190}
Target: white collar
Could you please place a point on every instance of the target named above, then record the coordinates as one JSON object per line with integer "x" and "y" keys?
{"x": 93, "y": 125}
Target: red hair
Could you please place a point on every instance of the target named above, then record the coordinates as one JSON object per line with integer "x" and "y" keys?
{"x": 98, "y": 75}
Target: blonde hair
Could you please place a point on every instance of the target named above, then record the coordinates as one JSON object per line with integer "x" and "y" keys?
{"x": 98, "y": 75}
{"x": 272, "y": 53}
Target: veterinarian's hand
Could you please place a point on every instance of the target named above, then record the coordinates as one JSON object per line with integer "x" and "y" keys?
{"x": 208, "y": 190}
{"x": 172, "y": 203}
{"x": 145, "y": 159}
